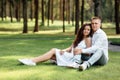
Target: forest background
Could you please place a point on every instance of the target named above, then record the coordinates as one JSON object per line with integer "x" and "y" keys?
{"x": 75, "y": 12}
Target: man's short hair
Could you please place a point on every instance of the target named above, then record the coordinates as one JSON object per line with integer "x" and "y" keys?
{"x": 93, "y": 18}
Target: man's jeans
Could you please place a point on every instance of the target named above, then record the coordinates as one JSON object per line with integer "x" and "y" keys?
{"x": 98, "y": 58}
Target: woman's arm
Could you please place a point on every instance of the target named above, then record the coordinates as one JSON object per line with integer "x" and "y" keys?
{"x": 66, "y": 50}
{"x": 88, "y": 42}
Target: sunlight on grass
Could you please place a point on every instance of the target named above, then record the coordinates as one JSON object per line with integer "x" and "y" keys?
{"x": 15, "y": 45}
{"x": 6, "y": 27}
{"x": 16, "y": 28}
{"x": 108, "y": 25}
{"x": 11, "y": 69}
{"x": 114, "y": 36}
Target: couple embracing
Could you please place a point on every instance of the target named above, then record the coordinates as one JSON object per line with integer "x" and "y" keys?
{"x": 89, "y": 47}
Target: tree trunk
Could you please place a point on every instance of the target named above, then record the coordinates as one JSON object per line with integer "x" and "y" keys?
{"x": 76, "y": 16}
{"x": 61, "y": 11}
{"x": 97, "y": 8}
{"x": 25, "y": 26}
{"x": 11, "y": 10}
{"x": 5, "y": 3}
{"x": 82, "y": 13}
{"x": 63, "y": 16}
{"x": 31, "y": 9}
{"x": 48, "y": 15}
{"x": 52, "y": 18}
{"x": 17, "y": 11}
{"x": 117, "y": 2}
{"x": 36, "y": 29}
{"x": 42, "y": 13}
{"x": 73, "y": 13}
{"x": 2, "y": 9}
{"x": 68, "y": 6}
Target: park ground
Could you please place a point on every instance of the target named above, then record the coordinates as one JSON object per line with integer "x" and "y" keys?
{"x": 15, "y": 45}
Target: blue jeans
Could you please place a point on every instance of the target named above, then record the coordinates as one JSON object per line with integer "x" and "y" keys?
{"x": 85, "y": 57}
{"x": 98, "y": 58}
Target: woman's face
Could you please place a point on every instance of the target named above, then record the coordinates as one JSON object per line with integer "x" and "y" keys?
{"x": 86, "y": 31}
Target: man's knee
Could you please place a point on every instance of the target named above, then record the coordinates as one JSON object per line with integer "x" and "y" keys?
{"x": 102, "y": 61}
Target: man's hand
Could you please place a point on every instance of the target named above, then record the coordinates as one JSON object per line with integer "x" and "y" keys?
{"x": 77, "y": 51}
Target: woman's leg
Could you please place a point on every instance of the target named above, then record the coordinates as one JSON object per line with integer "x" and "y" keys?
{"x": 48, "y": 55}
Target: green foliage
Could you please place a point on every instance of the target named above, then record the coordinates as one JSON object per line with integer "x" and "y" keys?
{"x": 108, "y": 10}
{"x": 15, "y": 46}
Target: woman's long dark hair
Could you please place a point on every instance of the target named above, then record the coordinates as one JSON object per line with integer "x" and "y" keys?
{"x": 80, "y": 35}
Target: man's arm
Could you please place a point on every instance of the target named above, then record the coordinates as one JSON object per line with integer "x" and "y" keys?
{"x": 88, "y": 44}
{"x": 98, "y": 44}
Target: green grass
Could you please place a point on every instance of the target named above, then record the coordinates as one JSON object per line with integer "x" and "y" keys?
{"x": 17, "y": 27}
{"x": 15, "y": 46}
{"x": 115, "y": 40}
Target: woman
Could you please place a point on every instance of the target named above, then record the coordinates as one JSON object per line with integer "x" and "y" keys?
{"x": 65, "y": 57}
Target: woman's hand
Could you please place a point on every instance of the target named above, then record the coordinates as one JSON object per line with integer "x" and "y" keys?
{"x": 77, "y": 51}
{"x": 62, "y": 52}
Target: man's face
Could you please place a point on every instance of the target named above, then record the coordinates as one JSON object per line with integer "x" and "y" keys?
{"x": 96, "y": 23}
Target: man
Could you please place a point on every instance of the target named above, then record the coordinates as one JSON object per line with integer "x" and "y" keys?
{"x": 99, "y": 48}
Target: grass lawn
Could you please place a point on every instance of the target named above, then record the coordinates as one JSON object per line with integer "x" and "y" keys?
{"x": 15, "y": 46}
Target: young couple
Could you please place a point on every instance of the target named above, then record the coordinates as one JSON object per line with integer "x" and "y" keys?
{"x": 89, "y": 47}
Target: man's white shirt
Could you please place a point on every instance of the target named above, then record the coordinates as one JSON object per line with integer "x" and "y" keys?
{"x": 99, "y": 41}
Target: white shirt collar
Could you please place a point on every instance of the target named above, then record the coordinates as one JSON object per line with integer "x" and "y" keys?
{"x": 98, "y": 30}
